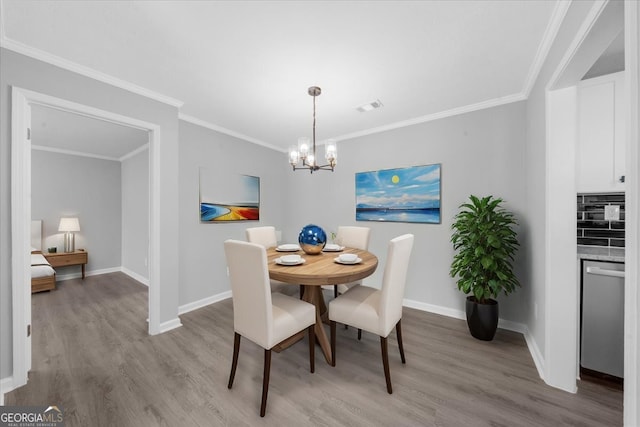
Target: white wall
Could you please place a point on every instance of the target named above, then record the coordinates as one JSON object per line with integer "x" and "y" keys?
{"x": 88, "y": 188}
{"x": 203, "y": 271}
{"x": 135, "y": 215}
{"x": 35, "y": 75}
{"x": 480, "y": 152}
{"x": 536, "y": 171}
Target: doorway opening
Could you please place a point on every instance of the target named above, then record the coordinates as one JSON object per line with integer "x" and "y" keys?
{"x": 22, "y": 102}
{"x": 601, "y": 27}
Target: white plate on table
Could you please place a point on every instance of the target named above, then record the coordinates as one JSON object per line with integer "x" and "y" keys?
{"x": 279, "y": 261}
{"x": 288, "y": 248}
{"x": 333, "y": 248}
{"x": 339, "y": 261}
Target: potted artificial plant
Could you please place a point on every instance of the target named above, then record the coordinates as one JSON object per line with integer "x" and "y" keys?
{"x": 485, "y": 243}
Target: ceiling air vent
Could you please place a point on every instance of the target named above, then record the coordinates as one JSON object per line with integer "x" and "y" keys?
{"x": 369, "y": 106}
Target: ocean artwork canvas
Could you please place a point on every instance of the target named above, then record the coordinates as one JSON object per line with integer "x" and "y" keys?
{"x": 228, "y": 198}
{"x": 399, "y": 195}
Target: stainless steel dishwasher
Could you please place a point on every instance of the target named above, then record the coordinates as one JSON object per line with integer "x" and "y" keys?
{"x": 602, "y": 348}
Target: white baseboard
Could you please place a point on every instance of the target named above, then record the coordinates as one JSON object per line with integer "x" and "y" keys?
{"x": 169, "y": 325}
{"x": 6, "y": 385}
{"x": 203, "y": 302}
{"x": 535, "y": 353}
{"x": 63, "y": 277}
{"x": 436, "y": 309}
{"x": 135, "y": 276}
{"x": 509, "y": 325}
{"x": 512, "y": 326}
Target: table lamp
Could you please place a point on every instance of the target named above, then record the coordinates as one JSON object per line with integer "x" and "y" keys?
{"x": 69, "y": 225}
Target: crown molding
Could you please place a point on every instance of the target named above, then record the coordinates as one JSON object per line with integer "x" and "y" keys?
{"x": 93, "y": 156}
{"x": 550, "y": 33}
{"x": 436, "y": 116}
{"x": 596, "y": 10}
{"x": 212, "y": 126}
{"x": 40, "y": 55}
{"x": 557, "y": 16}
{"x": 134, "y": 152}
{"x": 72, "y": 152}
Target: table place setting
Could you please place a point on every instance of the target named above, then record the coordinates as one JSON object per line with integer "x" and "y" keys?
{"x": 332, "y": 247}
{"x": 290, "y": 260}
{"x": 288, "y": 247}
{"x": 348, "y": 259}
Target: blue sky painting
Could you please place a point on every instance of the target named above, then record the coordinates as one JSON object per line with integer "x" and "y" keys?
{"x": 399, "y": 195}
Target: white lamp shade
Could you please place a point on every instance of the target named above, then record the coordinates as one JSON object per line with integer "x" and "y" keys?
{"x": 304, "y": 145}
{"x": 331, "y": 150}
{"x": 69, "y": 224}
{"x": 294, "y": 156}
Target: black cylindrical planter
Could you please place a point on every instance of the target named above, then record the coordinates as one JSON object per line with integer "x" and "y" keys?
{"x": 482, "y": 319}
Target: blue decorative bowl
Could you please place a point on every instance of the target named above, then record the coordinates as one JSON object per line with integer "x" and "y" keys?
{"x": 312, "y": 239}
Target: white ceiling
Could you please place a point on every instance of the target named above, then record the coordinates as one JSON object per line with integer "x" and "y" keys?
{"x": 244, "y": 67}
{"x": 62, "y": 131}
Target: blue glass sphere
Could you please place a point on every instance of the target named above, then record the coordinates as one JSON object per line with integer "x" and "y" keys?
{"x": 312, "y": 239}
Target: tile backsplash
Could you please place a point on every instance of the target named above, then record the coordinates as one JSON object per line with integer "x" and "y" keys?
{"x": 593, "y": 229}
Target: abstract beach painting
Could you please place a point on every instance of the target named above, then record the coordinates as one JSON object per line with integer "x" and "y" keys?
{"x": 228, "y": 198}
{"x": 399, "y": 195}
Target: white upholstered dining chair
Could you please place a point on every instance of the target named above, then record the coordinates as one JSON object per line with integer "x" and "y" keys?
{"x": 259, "y": 315}
{"x": 266, "y": 236}
{"x": 351, "y": 237}
{"x": 377, "y": 310}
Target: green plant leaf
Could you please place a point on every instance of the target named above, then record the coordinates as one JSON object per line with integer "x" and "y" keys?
{"x": 486, "y": 262}
{"x": 485, "y": 244}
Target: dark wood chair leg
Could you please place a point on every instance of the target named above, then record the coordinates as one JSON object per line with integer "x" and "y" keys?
{"x": 359, "y": 334}
{"x": 301, "y": 290}
{"x": 234, "y": 362}
{"x": 312, "y": 348}
{"x": 399, "y": 335}
{"x": 385, "y": 363}
{"x": 333, "y": 343}
{"x": 265, "y": 381}
{"x": 335, "y": 291}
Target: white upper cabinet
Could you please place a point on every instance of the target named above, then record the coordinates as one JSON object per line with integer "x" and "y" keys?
{"x": 600, "y": 150}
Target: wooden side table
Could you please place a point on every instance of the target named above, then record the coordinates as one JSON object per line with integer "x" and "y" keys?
{"x": 64, "y": 259}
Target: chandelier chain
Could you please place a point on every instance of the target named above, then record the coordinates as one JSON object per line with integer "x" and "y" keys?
{"x": 314, "y": 127}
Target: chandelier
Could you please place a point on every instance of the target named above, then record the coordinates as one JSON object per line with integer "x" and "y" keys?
{"x": 306, "y": 152}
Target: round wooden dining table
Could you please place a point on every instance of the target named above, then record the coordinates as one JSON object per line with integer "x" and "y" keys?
{"x": 319, "y": 270}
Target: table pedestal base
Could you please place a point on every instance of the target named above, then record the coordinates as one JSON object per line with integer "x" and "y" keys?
{"x": 312, "y": 295}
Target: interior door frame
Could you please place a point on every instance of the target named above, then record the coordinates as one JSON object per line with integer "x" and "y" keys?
{"x": 21, "y": 102}
{"x": 562, "y": 343}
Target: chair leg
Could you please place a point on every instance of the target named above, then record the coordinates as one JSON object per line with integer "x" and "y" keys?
{"x": 399, "y": 335}
{"x": 333, "y": 343}
{"x": 265, "y": 381}
{"x": 335, "y": 291}
{"x": 301, "y": 290}
{"x": 359, "y": 334}
{"x": 234, "y": 362}
{"x": 385, "y": 363}
{"x": 312, "y": 348}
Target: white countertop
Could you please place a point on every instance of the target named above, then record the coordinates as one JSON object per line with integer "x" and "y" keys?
{"x": 601, "y": 254}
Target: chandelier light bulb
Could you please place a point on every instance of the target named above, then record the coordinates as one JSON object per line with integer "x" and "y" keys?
{"x": 331, "y": 152}
{"x": 294, "y": 156}
{"x": 303, "y": 147}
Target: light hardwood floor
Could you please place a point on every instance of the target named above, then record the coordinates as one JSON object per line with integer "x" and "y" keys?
{"x": 92, "y": 357}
